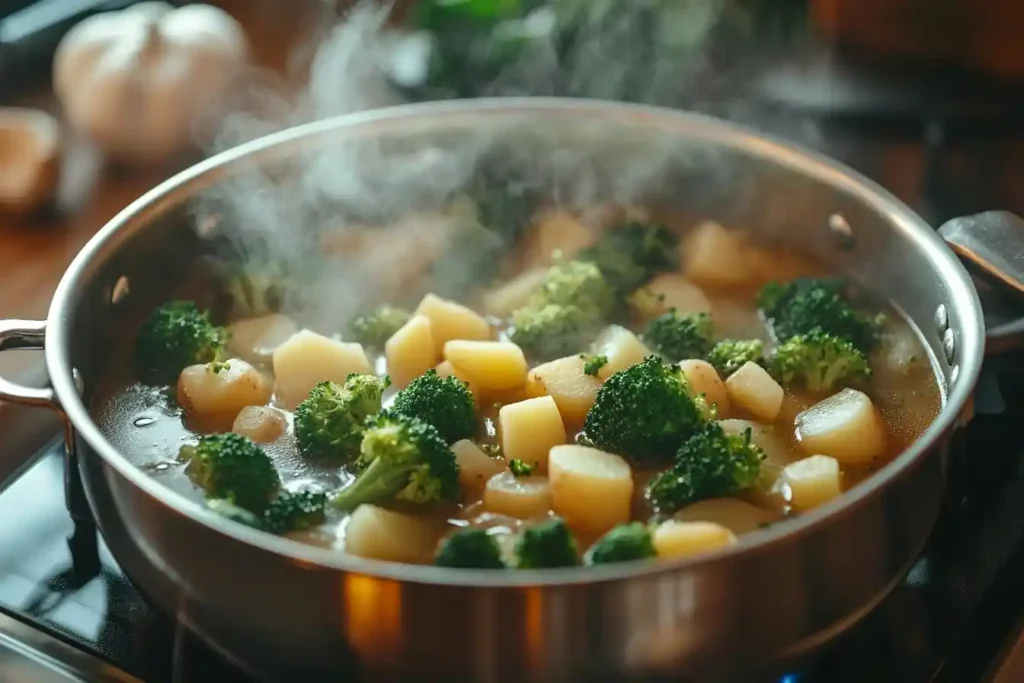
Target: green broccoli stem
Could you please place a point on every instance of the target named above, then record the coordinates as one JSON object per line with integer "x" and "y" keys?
{"x": 380, "y": 481}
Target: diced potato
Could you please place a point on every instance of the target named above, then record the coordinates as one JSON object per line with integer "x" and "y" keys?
{"x": 572, "y": 389}
{"x": 489, "y": 365}
{"x": 716, "y": 257}
{"x": 522, "y": 497}
{"x": 753, "y": 389}
{"x": 410, "y": 352}
{"x": 475, "y": 466}
{"x": 256, "y": 339}
{"x": 556, "y": 230}
{"x": 590, "y": 489}
{"x": 262, "y": 424}
{"x": 679, "y": 293}
{"x": 738, "y": 516}
{"x": 445, "y": 369}
{"x": 683, "y": 539}
{"x": 308, "y": 358}
{"x": 449, "y": 320}
{"x": 222, "y": 388}
{"x": 380, "y": 534}
{"x": 845, "y": 426}
{"x": 704, "y": 379}
{"x": 622, "y": 348}
{"x": 812, "y": 482}
{"x": 777, "y": 449}
{"x": 529, "y": 429}
{"x": 515, "y": 293}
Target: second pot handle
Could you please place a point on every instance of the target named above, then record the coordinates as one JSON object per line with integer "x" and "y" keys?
{"x": 990, "y": 245}
{"x": 24, "y": 334}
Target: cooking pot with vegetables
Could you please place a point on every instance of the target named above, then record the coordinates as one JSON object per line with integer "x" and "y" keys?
{"x": 686, "y": 488}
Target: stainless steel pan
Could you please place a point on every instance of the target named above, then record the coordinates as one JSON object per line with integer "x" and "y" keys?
{"x": 295, "y": 612}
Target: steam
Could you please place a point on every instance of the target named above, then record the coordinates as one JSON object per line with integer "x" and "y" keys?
{"x": 350, "y": 200}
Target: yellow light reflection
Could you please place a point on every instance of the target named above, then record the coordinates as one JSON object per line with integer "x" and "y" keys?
{"x": 373, "y": 616}
{"x": 534, "y": 621}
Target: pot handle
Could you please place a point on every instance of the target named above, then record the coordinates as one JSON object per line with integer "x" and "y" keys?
{"x": 991, "y": 244}
{"x": 24, "y": 334}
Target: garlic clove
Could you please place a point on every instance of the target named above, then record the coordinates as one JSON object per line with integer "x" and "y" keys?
{"x": 30, "y": 143}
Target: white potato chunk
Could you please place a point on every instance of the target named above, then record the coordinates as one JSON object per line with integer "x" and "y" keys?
{"x": 622, "y": 348}
{"x": 753, "y": 389}
{"x": 410, "y": 351}
{"x": 222, "y": 388}
{"x": 449, "y": 320}
{"x": 556, "y": 230}
{"x": 308, "y": 358}
{"x": 572, "y": 389}
{"x": 845, "y": 426}
{"x": 489, "y": 365}
{"x": 529, "y": 429}
{"x": 812, "y": 482}
{"x": 262, "y": 424}
{"x": 777, "y": 449}
{"x": 590, "y": 489}
{"x": 683, "y": 539}
{"x": 515, "y": 293}
{"x": 715, "y": 257}
{"x": 475, "y": 466}
{"x": 380, "y": 534}
{"x": 738, "y": 516}
{"x": 704, "y": 379}
{"x": 519, "y": 497}
{"x": 679, "y": 293}
{"x": 256, "y": 339}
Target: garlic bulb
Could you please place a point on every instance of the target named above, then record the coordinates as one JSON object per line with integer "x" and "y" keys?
{"x": 136, "y": 81}
{"x": 30, "y": 147}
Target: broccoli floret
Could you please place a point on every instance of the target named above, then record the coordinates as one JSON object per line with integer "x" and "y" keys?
{"x": 818, "y": 361}
{"x": 624, "y": 543}
{"x": 446, "y": 403}
{"x": 401, "y": 458}
{"x": 679, "y": 336}
{"x": 232, "y": 467}
{"x": 546, "y": 331}
{"x": 709, "y": 464}
{"x": 644, "y": 412}
{"x": 729, "y": 355}
{"x": 593, "y": 364}
{"x": 374, "y": 329}
{"x": 520, "y": 468}
{"x": 633, "y": 254}
{"x": 470, "y": 549}
{"x": 798, "y": 307}
{"x": 579, "y": 284}
{"x": 547, "y": 545}
{"x": 256, "y": 286}
{"x": 646, "y": 304}
{"x": 228, "y": 510}
{"x": 173, "y": 337}
{"x": 295, "y": 511}
{"x": 329, "y": 423}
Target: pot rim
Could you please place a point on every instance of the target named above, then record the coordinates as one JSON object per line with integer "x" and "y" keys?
{"x": 963, "y": 299}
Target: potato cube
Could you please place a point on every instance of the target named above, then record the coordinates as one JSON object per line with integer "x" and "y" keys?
{"x": 519, "y": 497}
{"x": 590, "y": 489}
{"x": 488, "y": 365}
{"x": 515, "y": 293}
{"x": 380, "y": 534}
{"x": 683, "y": 539}
{"x": 449, "y": 320}
{"x": 256, "y": 339}
{"x": 222, "y": 388}
{"x": 738, "y": 516}
{"x": 262, "y": 424}
{"x": 622, "y": 348}
{"x": 704, "y": 379}
{"x": 753, "y": 389}
{"x": 812, "y": 482}
{"x": 410, "y": 352}
{"x": 679, "y": 293}
{"x": 475, "y": 466}
{"x": 845, "y": 426}
{"x": 572, "y": 389}
{"x": 714, "y": 256}
{"x": 308, "y": 358}
{"x": 529, "y": 429}
{"x": 556, "y": 230}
